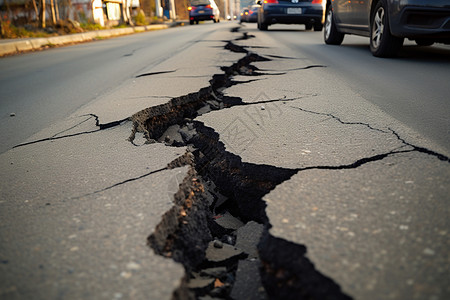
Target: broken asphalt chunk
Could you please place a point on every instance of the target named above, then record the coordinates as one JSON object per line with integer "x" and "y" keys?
{"x": 222, "y": 255}
{"x": 248, "y": 284}
{"x": 227, "y": 221}
{"x": 214, "y": 272}
{"x": 172, "y": 136}
{"x": 248, "y": 238}
{"x": 201, "y": 283}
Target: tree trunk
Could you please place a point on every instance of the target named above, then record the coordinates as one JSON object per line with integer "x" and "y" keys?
{"x": 42, "y": 15}
{"x": 52, "y": 10}
{"x": 36, "y": 11}
{"x": 57, "y": 10}
{"x": 8, "y": 10}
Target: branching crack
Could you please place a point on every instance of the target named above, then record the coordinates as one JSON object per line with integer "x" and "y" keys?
{"x": 155, "y": 73}
{"x": 421, "y": 149}
{"x": 245, "y": 36}
{"x": 281, "y": 57}
{"x": 68, "y": 129}
{"x": 241, "y": 184}
{"x": 338, "y": 119}
{"x": 415, "y": 148}
{"x": 120, "y": 183}
{"x": 299, "y": 69}
{"x": 185, "y": 159}
{"x": 55, "y": 138}
{"x": 97, "y": 123}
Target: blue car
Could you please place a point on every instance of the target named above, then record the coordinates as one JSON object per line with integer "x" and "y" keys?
{"x": 388, "y": 22}
{"x": 203, "y": 10}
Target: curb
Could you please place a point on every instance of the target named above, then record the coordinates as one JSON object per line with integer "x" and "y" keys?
{"x": 29, "y": 44}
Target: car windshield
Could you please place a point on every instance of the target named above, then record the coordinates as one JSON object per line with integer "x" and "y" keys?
{"x": 199, "y": 2}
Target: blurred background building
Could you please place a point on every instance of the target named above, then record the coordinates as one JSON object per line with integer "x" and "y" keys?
{"x": 104, "y": 12}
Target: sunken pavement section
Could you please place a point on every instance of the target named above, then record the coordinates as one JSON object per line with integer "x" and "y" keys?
{"x": 237, "y": 169}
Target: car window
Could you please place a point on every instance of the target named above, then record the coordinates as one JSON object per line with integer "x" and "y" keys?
{"x": 199, "y": 2}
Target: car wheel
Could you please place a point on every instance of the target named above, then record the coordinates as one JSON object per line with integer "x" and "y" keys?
{"x": 424, "y": 42}
{"x": 382, "y": 42}
{"x": 331, "y": 35}
{"x": 308, "y": 26}
{"x": 191, "y": 22}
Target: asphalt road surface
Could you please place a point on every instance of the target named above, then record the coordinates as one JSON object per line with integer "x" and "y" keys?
{"x": 40, "y": 88}
{"x": 412, "y": 88}
{"x": 206, "y": 160}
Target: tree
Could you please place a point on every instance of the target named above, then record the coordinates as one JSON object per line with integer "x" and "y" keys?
{"x": 42, "y": 13}
{"x": 52, "y": 9}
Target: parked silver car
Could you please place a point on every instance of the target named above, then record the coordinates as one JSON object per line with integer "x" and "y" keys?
{"x": 388, "y": 22}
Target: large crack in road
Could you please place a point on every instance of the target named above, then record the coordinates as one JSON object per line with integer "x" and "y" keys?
{"x": 218, "y": 228}
{"x": 222, "y": 187}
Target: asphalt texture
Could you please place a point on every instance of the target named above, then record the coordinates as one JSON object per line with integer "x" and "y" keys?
{"x": 367, "y": 201}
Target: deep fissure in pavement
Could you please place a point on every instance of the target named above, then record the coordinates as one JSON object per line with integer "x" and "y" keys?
{"x": 220, "y": 187}
{"x": 220, "y": 201}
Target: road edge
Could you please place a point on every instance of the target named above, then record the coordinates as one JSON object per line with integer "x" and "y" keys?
{"x": 16, "y": 46}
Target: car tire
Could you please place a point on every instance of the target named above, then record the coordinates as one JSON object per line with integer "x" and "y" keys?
{"x": 331, "y": 35}
{"x": 191, "y": 22}
{"x": 382, "y": 42}
{"x": 308, "y": 26}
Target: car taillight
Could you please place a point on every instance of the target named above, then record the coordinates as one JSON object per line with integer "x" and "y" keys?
{"x": 316, "y": 2}
{"x": 270, "y": 1}
{"x": 191, "y": 8}
{"x": 208, "y": 6}
{"x": 250, "y": 12}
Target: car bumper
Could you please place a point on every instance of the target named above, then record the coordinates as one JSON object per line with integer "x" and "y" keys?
{"x": 202, "y": 17}
{"x": 279, "y": 14}
{"x": 206, "y": 15}
{"x": 253, "y": 18}
{"x": 415, "y": 21}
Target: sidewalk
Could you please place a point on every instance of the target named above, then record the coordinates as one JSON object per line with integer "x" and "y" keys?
{"x": 11, "y": 46}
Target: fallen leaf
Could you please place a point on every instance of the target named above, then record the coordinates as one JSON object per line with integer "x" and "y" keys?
{"x": 218, "y": 283}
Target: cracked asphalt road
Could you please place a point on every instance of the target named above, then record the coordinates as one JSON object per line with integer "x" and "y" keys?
{"x": 365, "y": 195}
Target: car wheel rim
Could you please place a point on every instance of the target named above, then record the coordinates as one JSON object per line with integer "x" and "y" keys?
{"x": 378, "y": 27}
{"x": 328, "y": 24}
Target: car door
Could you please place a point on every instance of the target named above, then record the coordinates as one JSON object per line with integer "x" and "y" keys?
{"x": 359, "y": 14}
{"x": 341, "y": 9}
{"x": 352, "y": 14}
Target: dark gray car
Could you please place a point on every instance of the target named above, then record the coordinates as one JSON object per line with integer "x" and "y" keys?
{"x": 308, "y": 12}
{"x": 388, "y": 22}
